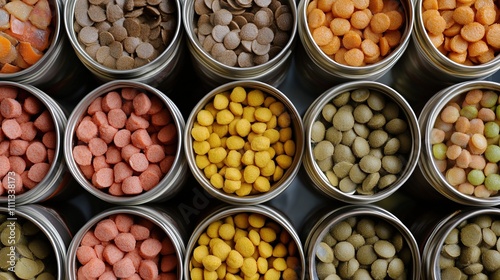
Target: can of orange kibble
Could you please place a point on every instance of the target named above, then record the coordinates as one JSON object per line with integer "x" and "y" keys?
{"x": 460, "y": 144}
{"x": 351, "y": 40}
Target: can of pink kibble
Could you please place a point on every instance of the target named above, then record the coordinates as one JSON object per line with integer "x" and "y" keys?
{"x": 123, "y": 144}
{"x": 32, "y": 167}
{"x": 460, "y": 144}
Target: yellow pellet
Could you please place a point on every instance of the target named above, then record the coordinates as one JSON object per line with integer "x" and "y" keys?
{"x": 213, "y": 229}
{"x": 259, "y": 127}
{"x": 268, "y": 101}
{"x": 241, "y": 220}
{"x": 244, "y": 190}
{"x": 231, "y": 127}
{"x": 226, "y": 231}
{"x": 221, "y": 101}
{"x": 200, "y": 252}
{"x": 235, "y": 142}
{"x": 279, "y": 148}
{"x": 269, "y": 169}
{"x": 233, "y": 174}
{"x": 233, "y": 159}
{"x": 202, "y": 161}
{"x": 277, "y": 108}
{"x": 248, "y": 157}
{"x": 280, "y": 250}
{"x": 262, "y": 184}
{"x": 196, "y": 274}
{"x": 263, "y": 114}
{"x": 254, "y": 236}
{"x": 239, "y": 233}
{"x": 245, "y": 247}
{"x": 201, "y": 147}
{"x": 256, "y": 220}
{"x": 224, "y": 117}
{"x": 284, "y": 161}
{"x": 290, "y": 274}
{"x": 205, "y": 118}
{"x": 217, "y": 155}
{"x": 272, "y": 274}
{"x": 238, "y": 94}
{"x": 210, "y": 170}
{"x": 262, "y": 265}
{"x": 200, "y": 133}
{"x": 279, "y": 264}
{"x": 210, "y": 275}
{"x": 243, "y": 127}
{"x": 272, "y": 152}
{"x": 220, "y": 129}
{"x": 255, "y": 97}
{"x": 273, "y": 122}
{"x": 221, "y": 250}
{"x": 211, "y": 262}
{"x": 236, "y": 108}
{"x": 249, "y": 267}
{"x": 234, "y": 259}
{"x": 267, "y": 234}
{"x": 217, "y": 181}
{"x": 249, "y": 114}
{"x": 284, "y": 120}
{"x": 203, "y": 239}
{"x": 260, "y": 143}
{"x": 285, "y": 134}
{"x": 230, "y": 186}
{"x": 251, "y": 173}
{"x": 221, "y": 271}
{"x": 262, "y": 158}
{"x": 289, "y": 147}
{"x": 272, "y": 134}
{"x": 214, "y": 140}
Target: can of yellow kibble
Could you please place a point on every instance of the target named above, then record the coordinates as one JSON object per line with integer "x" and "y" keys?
{"x": 34, "y": 240}
{"x": 248, "y": 242}
{"x": 463, "y": 244}
{"x": 361, "y": 242}
{"x": 460, "y": 144}
{"x": 362, "y": 142}
{"x": 351, "y": 40}
{"x": 244, "y": 142}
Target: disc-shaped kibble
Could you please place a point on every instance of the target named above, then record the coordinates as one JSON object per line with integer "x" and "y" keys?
{"x": 265, "y": 36}
{"x": 344, "y": 251}
{"x": 219, "y": 32}
{"x": 281, "y": 38}
{"x": 341, "y": 231}
{"x": 360, "y": 147}
{"x": 262, "y": 19}
{"x": 244, "y": 3}
{"x": 245, "y": 59}
{"x": 343, "y": 120}
{"x": 217, "y": 49}
{"x": 249, "y": 32}
{"x": 384, "y": 249}
{"x": 232, "y": 40}
{"x": 370, "y": 181}
{"x": 240, "y": 20}
{"x": 376, "y": 101}
{"x": 261, "y": 59}
{"x": 113, "y": 12}
{"x": 285, "y": 22}
{"x": 392, "y": 164}
{"x": 144, "y": 50}
{"x": 132, "y": 26}
{"x": 317, "y": 131}
{"x": 118, "y": 32}
{"x": 324, "y": 253}
{"x": 370, "y": 164}
{"x": 130, "y": 44}
{"x": 125, "y": 62}
{"x": 222, "y": 17}
{"x": 362, "y": 113}
{"x": 260, "y": 49}
{"x": 88, "y": 35}
{"x": 105, "y": 38}
{"x": 386, "y": 181}
{"x": 323, "y": 150}
{"x": 96, "y": 13}
{"x": 81, "y": 13}
{"x": 102, "y": 53}
{"x": 262, "y": 3}
{"x": 109, "y": 62}
{"x": 470, "y": 235}
{"x": 228, "y": 57}
{"x": 116, "y": 49}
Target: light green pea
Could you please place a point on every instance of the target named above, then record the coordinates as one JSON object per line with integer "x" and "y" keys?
{"x": 489, "y": 99}
{"x": 439, "y": 151}
{"x": 492, "y": 153}
{"x": 475, "y": 177}
{"x": 469, "y": 111}
{"x": 491, "y": 129}
{"x": 492, "y": 182}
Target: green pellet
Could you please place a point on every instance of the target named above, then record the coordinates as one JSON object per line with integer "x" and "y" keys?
{"x": 489, "y": 99}
{"x": 11, "y": 237}
{"x": 475, "y": 177}
{"x": 491, "y": 129}
{"x": 26, "y": 268}
{"x": 469, "y": 112}
{"x": 492, "y": 182}
{"x": 40, "y": 248}
{"x": 492, "y": 153}
{"x": 439, "y": 151}
{"x": 7, "y": 276}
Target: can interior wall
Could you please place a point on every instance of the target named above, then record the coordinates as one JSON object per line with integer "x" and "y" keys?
{"x": 319, "y": 179}
{"x": 58, "y": 177}
{"x": 426, "y": 164}
{"x": 213, "y": 73}
{"x": 318, "y": 70}
{"x": 168, "y": 186}
{"x": 290, "y": 173}
{"x": 156, "y": 215}
{"x": 160, "y": 72}
{"x": 321, "y": 226}
{"x": 424, "y": 65}
{"x": 224, "y": 211}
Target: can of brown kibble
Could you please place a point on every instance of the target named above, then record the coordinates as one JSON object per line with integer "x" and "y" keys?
{"x": 341, "y": 42}
{"x": 362, "y": 142}
{"x": 462, "y": 243}
{"x": 131, "y": 41}
{"x": 459, "y": 145}
{"x": 32, "y": 165}
{"x": 36, "y": 240}
{"x": 123, "y": 144}
{"x": 361, "y": 242}
{"x": 432, "y": 63}
{"x": 247, "y": 40}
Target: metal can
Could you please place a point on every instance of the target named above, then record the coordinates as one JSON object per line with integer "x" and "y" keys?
{"x": 214, "y": 73}
{"x": 58, "y": 177}
{"x": 318, "y": 174}
{"x": 169, "y": 185}
{"x": 428, "y": 168}
{"x": 297, "y": 135}
{"x": 435, "y": 259}
{"x": 57, "y": 71}
{"x": 161, "y": 72}
{"x": 227, "y": 211}
{"x": 50, "y": 224}
{"x": 349, "y": 213}
{"x": 424, "y": 65}
{"x": 161, "y": 218}
{"x": 319, "y": 70}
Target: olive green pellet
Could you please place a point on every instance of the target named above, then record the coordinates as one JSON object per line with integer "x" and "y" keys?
{"x": 360, "y": 147}
{"x": 344, "y": 251}
{"x": 378, "y": 138}
{"x": 451, "y": 273}
{"x": 7, "y": 276}
{"x": 325, "y": 269}
{"x": 396, "y": 126}
{"x": 341, "y": 99}
{"x": 361, "y": 130}
{"x": 492, "y": 182}
{"x": 491, "y": 260}
{"x": 362, "y": 113}
{"x": 328, "y": 111}
{"x": 326, "y": 164}
{"x": 343, "y": 153}
{"x": 379, "y": 269}
{"x": 469, "y": 111}
{"x": 347, "y": 269}
{"x": 370, "y": 181}
{"x": 347, "y": 185}
{"x": 384, "y": 249}
{"x": 342, "y": 169}
{"x": 318, "y": 132}
{"x": 396, "y": 268}
{"x": 360, "y": 95}
{"x": 366, "y": 255}
{"x": 324, "y": 253}
{"x": 386, "y": 181}
{"x": 348, "y": 137}
{"x": 356, "y": 174}
{"x": 392, "y": 164}
{"x": 323, "y": 149}
{"x": 377, "y": 121}
{"x": 343, "y": 120}
{"x": 370, "y": 164}
{"x": 390, "y": 111}
{"x": 376, "y": 101}
{"x": 333, "y": 135}
{"x": 391, "y": 146}
{"x": 341, "y": 231}
{"x": 332, "y": 178}
{"x": 491, "y": 129}
{"x": 26, "y": 268}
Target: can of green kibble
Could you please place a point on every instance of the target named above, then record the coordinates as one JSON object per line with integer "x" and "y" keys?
{"x": 362, "y": 142}
{"x": 320, "y": 59}
{"x": 460, "y": 144}
{"x": 267, "y": 170}
{"x": 41, "y": 123}
{"x": 425, "y": 67}
{"x": 159, "y": 179}
{"x": 158, "y": 228}
{"x": 463, "y": 243}
{"x": 248, "y": 40}
{"x": 141, "y": 42}
{"x": 46, "y": 238}
{"x": 361, "y": 241}
{"x": 279, "y": 242}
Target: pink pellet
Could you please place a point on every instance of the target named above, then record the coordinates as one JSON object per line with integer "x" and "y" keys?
{"x": 139, "y": 232}
{"x": 141, "y": 103}
{"x": 38, "y": 171}
{"x": 124, "y": 268}
{"x": 112, "y": 254}
{"x": 29, "y": 131}
{"x": 124, "y": 222}
{"x": 11, "y": 129}
{"x": 99, "y": 162}
{"x": 106, "y": 230}
{"x": 100, "y": 118}
{"x": 132, "y": 185}
{"x": 85, "y": 253}
{"x": 94, "y": 268}
{"x": 125, "y": 241}
{"x": 112, "y": 100}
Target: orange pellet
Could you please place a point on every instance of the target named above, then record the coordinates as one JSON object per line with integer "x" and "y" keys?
{"x": 325, "y": 5}
{"x": 322, "y": 35}
{"x": 472, "y": 32}
{"x": 351, "y": 40}
{"x": 463, "y": 15}
{"x": 343, "y": 8}
{"x": 354, "y": 57}
{"x": 360, "y": 19}
{"x": 369, "y": 48}
{"x": 315, "y": 18}
{"x": 340, "y": 26}
{"x": 380, "y": 22}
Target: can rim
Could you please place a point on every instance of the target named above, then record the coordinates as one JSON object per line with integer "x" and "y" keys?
{"x": 278, "y": 187}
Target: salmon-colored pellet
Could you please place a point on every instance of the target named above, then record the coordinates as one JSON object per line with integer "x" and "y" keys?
{"x": 112, "y": 100}
{"x": 107, "y": 275}
{"x": 155, "y": 153}
{"x": 141, "y": 139}
{"x": 116, "y": 189}
{"x": 122, "y": 138}
{"x": 18, "y": 147}
{"x": 128, "y": 151}
{"x": 167, "y": 247}
{"x": 95, "y": 106}
{"x": 104, "y": 177}
{"x": 462, "y": 124}
{"x": 49, "y": 139}
{"x": 343, "y": 8}
{"x": 135, "y": 122}
{"x": 97, "y": 147}
{"x": 464, "y": 159}
{"x": 380, "y": 22}
{"x": 4, "y": 165}
{"x": 132, "y": 185}
{"x": 10, "y": 108}
{"x": 11, "y": 129}
{"x": 123, "y": 268}
{"x": 161, "y": 118}
{"x": 354, "y": 57}
{"x": 167, "y": 163}
{"x": 135, "y": 257}
{"x": 89, "y": 239}
{"x": 106, "y": 230}
{"x": 124, "y": 222}
{"x": 107, "y": 133}
{"x": 168, "y": 134}
{"x": 113, "y": 155}
{"x": 125, "y": 241}
{"x": 138, "y": 162}
{"x": 122, "y": 171}
{"x": 117, "y": 118}
{"x": 112, "y": 253}
{"x": 100, "y": 118}
{"x": 168, "y": 263}
{"x": 18, "y": 183}
{"x": 460, "y": 139}
{"x": 476, "y": 126}
{"x": 139, "y": 232}
{"x": 149, "y": 180}
{"x": 150, "y": 248}
{"x": 29, "y": 131}
{"x": 141, "y": 104}
{"x": 82, "y": 155}
{"x": 17, "y": 165}
{"x": 94, "y": 268}
{"x": 453, "y": 152}
{"x": 477, "y": 162}
{"x": 86, "y": 130}
{"x": 38, "y": 171}
{"x": 36, "y": 152}
{"x": 128, "y": 93}
{"x": 148, "y": 269}
{"x": 85, "y": 253}
{"x": 455, "y": 176}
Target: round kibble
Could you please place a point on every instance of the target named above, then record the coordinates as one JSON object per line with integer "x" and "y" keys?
{"x": 470, "y": 142}
{"x": 356, "y": 256}
{"x": 259, "y": 140}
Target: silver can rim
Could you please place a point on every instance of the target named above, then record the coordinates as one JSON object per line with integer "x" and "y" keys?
{"x": 169, "y": 180}
{"x": 326, "y": 221}
{"x": 427, "y": 118}
{"x": 317, "y": 175}
{"x": 278, "y": 187}
{"x": 226, "y": 211}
